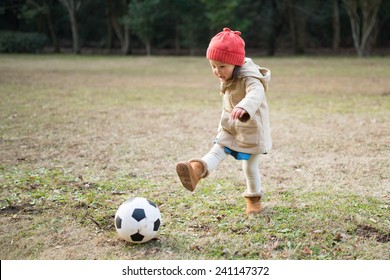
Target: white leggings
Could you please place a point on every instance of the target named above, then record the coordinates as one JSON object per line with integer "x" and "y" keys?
{"x": 250, "y": 167}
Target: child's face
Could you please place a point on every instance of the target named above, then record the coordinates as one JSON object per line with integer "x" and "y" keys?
{"x": 222, "y": 70}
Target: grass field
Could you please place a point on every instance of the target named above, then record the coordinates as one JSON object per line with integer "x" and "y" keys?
{"x": 80, "y": 134}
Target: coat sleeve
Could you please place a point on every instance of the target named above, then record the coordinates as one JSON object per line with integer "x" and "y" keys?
{"x": 254, "y": 96}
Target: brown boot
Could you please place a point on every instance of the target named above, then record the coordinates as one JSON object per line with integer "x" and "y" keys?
{"x": 253, "y": 205}
{"x": 191, "y": 172}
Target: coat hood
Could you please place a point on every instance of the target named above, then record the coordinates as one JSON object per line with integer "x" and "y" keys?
{"x": 250, "y": 69}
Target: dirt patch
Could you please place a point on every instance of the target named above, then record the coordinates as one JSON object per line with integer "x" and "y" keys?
{"x": 13, "y": 209}
{"x": 371, "y": 232}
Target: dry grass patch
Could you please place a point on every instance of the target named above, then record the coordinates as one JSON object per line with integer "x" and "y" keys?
{"x": 80, "y": 134}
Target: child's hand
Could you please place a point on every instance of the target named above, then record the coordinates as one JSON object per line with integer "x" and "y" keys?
{"x": 237, "y": 113}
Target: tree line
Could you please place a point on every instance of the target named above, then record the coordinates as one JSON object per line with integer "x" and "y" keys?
{"x": 186, "y": 26}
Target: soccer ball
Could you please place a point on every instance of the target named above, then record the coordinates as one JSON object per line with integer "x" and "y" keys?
{"x": 137, "y": 220}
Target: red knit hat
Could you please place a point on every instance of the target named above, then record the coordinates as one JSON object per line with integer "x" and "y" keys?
{"x": 227, "y": 47}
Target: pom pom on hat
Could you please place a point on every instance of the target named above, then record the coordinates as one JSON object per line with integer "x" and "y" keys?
{"x": 227, "y": 47}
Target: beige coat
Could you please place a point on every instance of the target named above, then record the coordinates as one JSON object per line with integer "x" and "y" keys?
{"x": 250, "y": 134}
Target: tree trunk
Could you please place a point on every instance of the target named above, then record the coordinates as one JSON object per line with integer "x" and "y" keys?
{"x": 278, "y": 21}
{"x": 123, "y": 35}
{"x": 273, "y": 35}
{"x": 49, "y": 20}
{"x": 291, "y": 21}
{"x": 72, "y": 6}
{"x": 117, "y": 10}
{"x": 109, "y": 29}
{"x": 177, "y": 38}
{"x": 75, "y": 32}
{"x": 148, "y": 48}
{"x": 117, "y": 30}
{"x": 362, "y": 15}
{"x": 297, "y": 22}
{"x": 126, "y": 31}
{"x": 336, "y": 26}
{"x": 53, "y": 34}
{"x": 300, "y": 25}
{"x": 126, "y": 46}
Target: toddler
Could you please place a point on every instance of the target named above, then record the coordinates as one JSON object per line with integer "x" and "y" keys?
{"x": 244, "y": 131}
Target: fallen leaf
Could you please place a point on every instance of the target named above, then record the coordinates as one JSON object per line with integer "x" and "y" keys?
{"x": 340, "y": 236}
{"x": 307, "y": 251}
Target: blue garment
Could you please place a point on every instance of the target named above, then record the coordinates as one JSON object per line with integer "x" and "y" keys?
{"x": 237, "y": 155}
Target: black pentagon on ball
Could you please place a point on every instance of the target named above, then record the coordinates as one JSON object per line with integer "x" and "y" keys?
{"x": 138, "y": 214}
{"x": 118, "y": 222}
{"x": 156, "y": 225}
{"x": 137, "y": 237}
{"x": 151, "y": 203}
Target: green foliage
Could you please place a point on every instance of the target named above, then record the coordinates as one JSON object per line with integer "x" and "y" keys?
{"x": 20, "y": 42}
{"x": 143, "y": 16}
{"x": 176, "y": 24}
